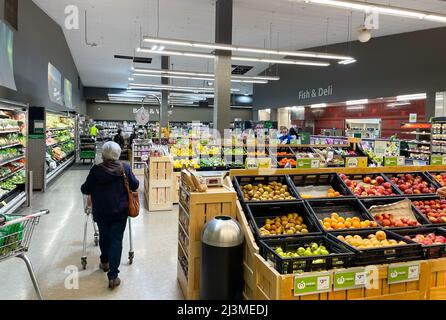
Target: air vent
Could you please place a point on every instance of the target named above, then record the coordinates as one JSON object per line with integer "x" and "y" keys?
{"x": 135, "y": 59}
{"x": 240, "y": 70}
{"x": 11, "y": 16}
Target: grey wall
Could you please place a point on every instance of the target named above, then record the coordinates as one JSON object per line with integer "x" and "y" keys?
{"x": 125, "y": 112}
{"x": 40, "y": 40}
{"x": 387, "y": 66}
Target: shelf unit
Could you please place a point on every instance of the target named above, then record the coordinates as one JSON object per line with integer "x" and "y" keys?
{"x": 418, "y": 149}
{"x": 87, "y": 148}
{"x": 195, "y": 210}
{"x": 140, "y": 155}
{"x": 13, "y": 136}
{"x": 439, "y": 136}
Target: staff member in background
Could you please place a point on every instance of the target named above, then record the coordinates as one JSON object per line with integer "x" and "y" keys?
{"x": 93, "y": 131}
{"x": 293, "y": 133}
{"x": 119, "y": 139}
{"x": 285, "y": 137}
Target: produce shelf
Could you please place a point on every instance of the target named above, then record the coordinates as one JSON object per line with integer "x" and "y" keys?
{"x": 9, "y": 175}
{"x": 331, "y": 180}
{"x": 53, "y": 174}
{"x": 433, "y": 251}
{"x": 10, "y": 131}
{"x": 12, "y": 160}
{"x": 18, "y": 144}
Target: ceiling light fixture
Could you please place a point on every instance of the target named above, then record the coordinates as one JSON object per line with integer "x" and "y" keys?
{"x": 235, "y": 58}
{"x": 393, "y": 105}
{"x": 218, "y": 46}
{"x": 202, "y": 74}
{"x": 345, "y": 62}
{"x": 408, "y": 97}
{"x": 318, "y": 106}
{"x": 167, "y": 87}
{"x": 356, "y": 108}
{"x": 382, "y": 9}
{"x": 194, "y": 78}
{"x": 357, "y": 102}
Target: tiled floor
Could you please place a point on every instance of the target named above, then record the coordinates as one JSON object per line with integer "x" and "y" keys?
{"x": 56, "y": 250}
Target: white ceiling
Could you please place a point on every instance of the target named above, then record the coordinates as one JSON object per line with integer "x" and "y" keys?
{"x": 115, "y": 26}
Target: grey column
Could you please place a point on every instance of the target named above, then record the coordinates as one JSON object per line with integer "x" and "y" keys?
{"x": 274, "y": 116}
{"x": 165, "y": 62}
{"x": 430, "y": 105}
{"x": 223, "y": 66}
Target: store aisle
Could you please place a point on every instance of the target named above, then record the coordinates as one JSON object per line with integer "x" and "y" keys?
{"x": 57, "y": 245}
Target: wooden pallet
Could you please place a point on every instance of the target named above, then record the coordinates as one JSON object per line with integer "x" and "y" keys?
{"x": 197, "y": 209}
{"x": 176, "y": 186}
{"x": 158, "y": 187}
{"x": 437, "y": 280}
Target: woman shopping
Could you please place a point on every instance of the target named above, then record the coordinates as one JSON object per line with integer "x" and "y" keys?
{"x": 106, "y": 186}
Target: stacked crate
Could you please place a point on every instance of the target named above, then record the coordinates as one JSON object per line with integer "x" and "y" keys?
{"x": 158, "y": 186}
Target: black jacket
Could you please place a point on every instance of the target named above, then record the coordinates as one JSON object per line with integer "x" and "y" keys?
{"x": 119, "y": 139}
{"x": 105, "y": 184}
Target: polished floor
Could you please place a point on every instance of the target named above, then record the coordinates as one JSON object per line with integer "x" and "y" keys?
{"x": 56, "y": 250}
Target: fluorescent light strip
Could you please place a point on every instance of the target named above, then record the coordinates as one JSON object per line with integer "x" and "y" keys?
{"x": 235, "y": 58}
{"x": 356, "y": 108}
{"x": 202, "y": 74}
{"x": 357, "y": 102}
{"x": 319, "y": 105}
{"x": 345, "y": 62}
{"x": 418, "y": 96}
{"x": 167, "y": 87}
{"x": 392, "y": 105}
{"x": 194, "y": 78}
{"x": 217, "y": 46}
{"x": 385, "y": 10}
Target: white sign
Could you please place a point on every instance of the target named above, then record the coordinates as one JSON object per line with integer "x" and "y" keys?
{"x": 316, "y": 93}
{"x": 413, "y": 118}
{"x": 142, "y": 116}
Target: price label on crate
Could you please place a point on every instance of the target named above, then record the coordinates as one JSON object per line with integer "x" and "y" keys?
{"x": 394, "y": 161}
{"x": 251, "y": 163}
{"x": 312, "y": 283}
{"x": 349, "y": 279}
{"x": 403, "y": 272}
{"x": 264, "y": 163}
{"x": 308, "y": 163}
{"x": 438, "y": 160}
{"x": 356, "y": 162}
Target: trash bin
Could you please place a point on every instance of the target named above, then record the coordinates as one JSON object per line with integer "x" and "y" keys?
{"x": 221, "y": 260}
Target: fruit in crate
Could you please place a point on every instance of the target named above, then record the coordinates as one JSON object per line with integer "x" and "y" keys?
{"x": 271, "y": 191}
{"x": 283, "y": 162}
{"x": 312, "y": 249}
{"x": 428, "y": 240}
{"x": 284, "y": 154}
{"x": 434, "y": 210}
{"x": 374, "y": 240}
{"x": 257, "y": 154}
{"x": 441, "y": 178}
{"x": 211, "y": 162}
{"x": 205, "y": 150}
{"x": 370, "y": 186}
{"x": 337, "y": 222}
{"x": 412, "y": 184}
{"x": 234, "y": 152}
{"x": 177, "y": 151}
{"x": 285, "y": 225}
{"x": 387, "y": 220}
{"x": 179, "y": 163}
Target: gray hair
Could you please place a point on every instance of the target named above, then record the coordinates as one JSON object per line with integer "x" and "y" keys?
{"x": 111, "y": 151}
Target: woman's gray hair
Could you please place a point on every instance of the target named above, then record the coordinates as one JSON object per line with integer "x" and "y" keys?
{"x": 111, "y": 151}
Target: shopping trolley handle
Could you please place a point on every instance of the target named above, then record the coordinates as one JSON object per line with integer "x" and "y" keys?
{"x": 24, "y": 218}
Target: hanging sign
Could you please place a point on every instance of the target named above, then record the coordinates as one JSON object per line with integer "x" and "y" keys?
{"x": 142, "y": 116}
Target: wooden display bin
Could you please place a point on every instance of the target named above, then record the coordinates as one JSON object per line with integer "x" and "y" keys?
{"x": 158, "y": 186}
{"x": 176, "y": 180}
{"x": 196, "y": 209}
{"x": 437, "y": 280}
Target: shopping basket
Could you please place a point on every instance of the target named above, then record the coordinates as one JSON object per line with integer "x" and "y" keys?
{"x": 15, "y": 237}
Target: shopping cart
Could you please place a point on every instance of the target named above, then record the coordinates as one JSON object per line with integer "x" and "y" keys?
{"x": 88, "y": 215}
{"x": 15, "y": 237}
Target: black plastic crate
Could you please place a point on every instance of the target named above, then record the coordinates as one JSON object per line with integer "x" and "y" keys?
{"x": 432, "y": 176}
{"x": 332, "y": 180}
{"x": 344, "y": 207}
{"x": 416, "y": 200}
{"x": 259, "y": 212}
{"x": 368, "y": 203}
{"x": 382, "y": 255}
{"x": 433, "y": 251}
{"x": 417, "y": 173}
{"x": 241, "y": 181}
{"x": 339, "y": 257}
{"x": 353, "y": 177}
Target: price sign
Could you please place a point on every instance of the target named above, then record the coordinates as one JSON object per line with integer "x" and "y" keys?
{"x": 308, "y": 163}
{"x": 380, "y": 148}
{"x": 264, "y": 163}
{"x": 394, "y": 161}
{"x": 403, "y": 272}
{"x": 312, "y": 283}
{"x": 438, "y": 160}
{"x": 356, "y": 162}
{"x": 251, "y": 163}
{"x": 349, "y": 279}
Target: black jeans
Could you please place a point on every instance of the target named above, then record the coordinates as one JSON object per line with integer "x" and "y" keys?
{"x": 110, "y": 242}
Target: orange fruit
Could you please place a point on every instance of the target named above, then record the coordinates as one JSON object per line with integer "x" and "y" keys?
{"x": 327, "y": 225}
{"x": 331, "y": 195}
{"x": 356, "y": 219}
{"x": 331, "y": 190}
{"x": 341, "y": 225}
{"x": 348, "y": 224}
{"x": 334, "y": 216}
{"x": 356, "y": 225}
{"x": 341, "y": 219}
{"x": 327, "y": 220}
{"x": 381, "y": 236}
{"x": 337, "y": 194}
{"x": 334, "y": 225}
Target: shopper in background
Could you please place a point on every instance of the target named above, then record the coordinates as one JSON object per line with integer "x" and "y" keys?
{"x": 119, "y": 139}
{"x": 285, "y": 137}
{"x": 133, "y": 136}
{"x": 105, "y": 185}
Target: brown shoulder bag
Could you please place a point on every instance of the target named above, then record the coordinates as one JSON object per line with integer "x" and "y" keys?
{"x": 133, "y": 197}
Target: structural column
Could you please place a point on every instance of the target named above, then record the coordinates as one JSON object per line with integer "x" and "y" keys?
{"x": 223, "y": 66}
{"x": 164, "y": 110}
{"x": 430, "y": 105}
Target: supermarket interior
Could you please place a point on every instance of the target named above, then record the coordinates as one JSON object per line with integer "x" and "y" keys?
{"x": 285, "y": 150}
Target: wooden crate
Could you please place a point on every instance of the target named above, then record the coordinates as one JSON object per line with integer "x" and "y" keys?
{"x": 437, "y": 280}
{"x": 176, "y": 180}
{"x": 270, "y": 285}
{"x": 158, "y": 187}
{"x": 198, "y": 209}
{"x": 250, "y": 248}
